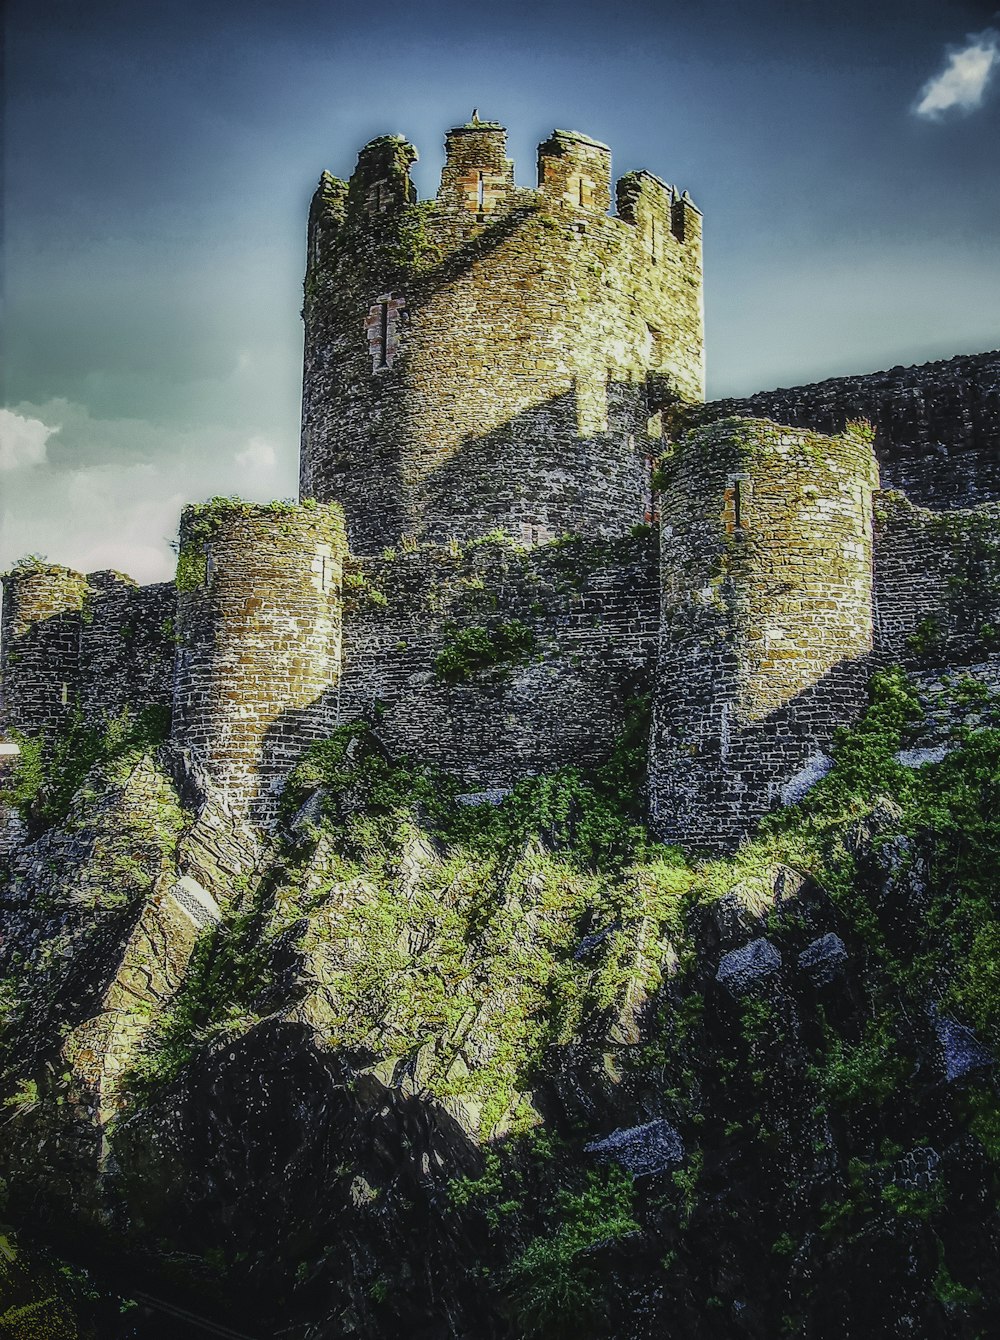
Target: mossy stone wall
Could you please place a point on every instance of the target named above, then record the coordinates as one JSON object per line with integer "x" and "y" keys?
{"x": 259, "y": 633}
{"x": 937, "y": 425}
{"x": 937, "y": 582}
{"x": 94, "y": 643}
{"x": 766, "y": 565}
{"x": 587, "y": 617}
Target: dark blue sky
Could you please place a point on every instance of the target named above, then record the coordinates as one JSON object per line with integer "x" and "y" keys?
{"x": 159, "y": 163}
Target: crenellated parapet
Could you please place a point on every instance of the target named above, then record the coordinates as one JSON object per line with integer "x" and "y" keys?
{"x": 496, "y": 358}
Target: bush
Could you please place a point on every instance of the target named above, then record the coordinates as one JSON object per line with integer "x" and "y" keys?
{"x": 470, "y": 650}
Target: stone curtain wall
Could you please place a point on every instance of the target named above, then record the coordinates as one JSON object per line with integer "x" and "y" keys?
{"x": 937, "y": 583}
{"x": 126, "y": 646}
{"x": 593, "y": 610}
{"x": 259, "y": 629}
{"x": 98, "y": 644}
{"x": 530, "y": 342}
{"x": 937, "y": 426}
{"x": 766, "y": 619}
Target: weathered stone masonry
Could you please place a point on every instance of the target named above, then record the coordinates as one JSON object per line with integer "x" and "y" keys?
{"x": 937, "y": 426}
{"x": 259, "y": 632}
{"x": 592, "y": 606}
{"x": 496, "y": 358}
{"x": 487, "y": 380}
{"x": 95, "y": 645}
{"x": 766, "y": 618}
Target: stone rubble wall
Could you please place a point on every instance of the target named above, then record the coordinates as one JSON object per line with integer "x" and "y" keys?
{"x": 592, "y": 606}
{"x": 937, "y": 582}
{"x": 529, "y": 342}
{"x": 937, "y": 425}
{"x": 97, "y": 644}
{"x": 766, "y": 619}
{"x": 259, "y": 633}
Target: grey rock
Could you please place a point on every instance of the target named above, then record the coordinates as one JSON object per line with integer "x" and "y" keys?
{"x": 813, "y": 771}
{"x": 641, "y": 1150}
{"x": 310, "y": 813}
{"x": 961, "y": 1051}
{"x": 919, "y": 758}
{"x": 495, "y": 795}
{"x": 591, "y": 942}
{"x": 741, "y": 968}
{"x": 196, "y": 903}
{"x": 824, "y": 958}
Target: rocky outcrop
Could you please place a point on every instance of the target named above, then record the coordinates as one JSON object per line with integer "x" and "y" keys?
{"x": 389, "y": 1077}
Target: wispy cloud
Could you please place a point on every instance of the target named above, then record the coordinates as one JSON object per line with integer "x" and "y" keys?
{"x": 22, "y": 440}
{"x": 963, "y": 82}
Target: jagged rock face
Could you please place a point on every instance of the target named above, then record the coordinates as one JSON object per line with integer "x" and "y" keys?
{"x": 370, "y": 1082}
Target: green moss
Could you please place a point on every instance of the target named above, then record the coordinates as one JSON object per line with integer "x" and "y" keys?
{"x": 557, "y": 1286}
{"x": 50, "y": 769}
{"x": 469, "y": 651}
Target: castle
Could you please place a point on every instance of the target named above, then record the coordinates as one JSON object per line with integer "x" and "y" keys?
{"x": 517, "y": 515}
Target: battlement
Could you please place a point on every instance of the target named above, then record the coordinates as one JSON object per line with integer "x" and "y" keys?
{"x": 484, "y": 360}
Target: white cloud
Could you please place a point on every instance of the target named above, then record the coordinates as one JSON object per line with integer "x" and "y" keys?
{"x": 22, "y": 440}
{"x": 258, "y": 454}
{"x": 108, "y": 492}
{"x": 963, "y": 82}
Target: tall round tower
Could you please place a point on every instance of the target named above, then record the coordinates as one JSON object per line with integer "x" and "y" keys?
{"x": 259, "y": 642}
{"x": 766, "y": 579}
{"x": 495, "y": 358}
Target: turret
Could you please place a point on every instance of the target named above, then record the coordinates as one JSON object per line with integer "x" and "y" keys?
{"x": 43, "y": 610}
{"x": 495, "y": 358}
{"x": 477, "y": 177}
{"x": 259, "y": 642}
{"x": 766, "y": 621}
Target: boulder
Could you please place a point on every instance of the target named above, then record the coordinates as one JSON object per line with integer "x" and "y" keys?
{"x": 824, "y": 958}
{"x": 641, "y": 1150}
{"x": 742, "y": 968}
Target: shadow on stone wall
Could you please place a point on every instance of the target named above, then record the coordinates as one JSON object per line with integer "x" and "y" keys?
{"x": 579, "y": 462}
{"x": 712, "y": 780}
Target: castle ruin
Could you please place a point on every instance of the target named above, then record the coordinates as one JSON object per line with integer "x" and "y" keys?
{"x": 505, "y": 448}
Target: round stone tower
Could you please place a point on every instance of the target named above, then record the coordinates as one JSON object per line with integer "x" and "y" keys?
{"x": 259, "y": 642}
{"x": 766, "y": 623}
{"x": 43, "y": 609}
{"x": 495, "y": 358}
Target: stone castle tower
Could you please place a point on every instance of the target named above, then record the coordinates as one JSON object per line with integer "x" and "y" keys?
{"x": 496, "y": 358}
{"x": 486, "y": 387}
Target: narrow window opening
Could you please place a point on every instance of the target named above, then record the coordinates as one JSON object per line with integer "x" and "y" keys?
{"x": 65, "y": 694}
{"x": 652, "y": 238}
{"x": 481, "y": 193}
{"x": 383, "y": 351}
{"x": 582, "y": 200}
{"x": 738, "y": 504}
{"x": 322, "y": 573}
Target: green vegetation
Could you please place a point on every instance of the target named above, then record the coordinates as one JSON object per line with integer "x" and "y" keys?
{"x": 49, "y": 771}
{"x": 200, "y": 522}
{"x": 557, "y": 1283}
{"x": 468, "y": 651}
